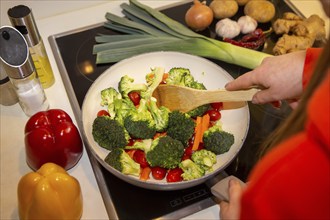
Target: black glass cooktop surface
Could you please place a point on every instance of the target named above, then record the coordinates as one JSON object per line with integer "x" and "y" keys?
{"x": 73, "y": 53}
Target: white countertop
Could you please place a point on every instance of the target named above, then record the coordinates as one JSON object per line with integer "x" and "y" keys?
{"x": 53, "y": 17}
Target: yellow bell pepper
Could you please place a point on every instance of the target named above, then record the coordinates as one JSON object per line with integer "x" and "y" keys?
{"x": 49, "y": 193}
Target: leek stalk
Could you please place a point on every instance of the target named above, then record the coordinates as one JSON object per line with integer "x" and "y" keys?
{"x": 131, "y": 43}
{"x": 151, "y": 31}
{"x": 114, "y": 38}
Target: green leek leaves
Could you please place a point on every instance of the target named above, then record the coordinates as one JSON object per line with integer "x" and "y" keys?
{"x": 147, "y": 30}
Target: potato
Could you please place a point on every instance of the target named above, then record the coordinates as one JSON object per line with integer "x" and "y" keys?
{"x": 242, "y": 2}
{"x": 224, "y": 8}
{"x": 261, "y": 11}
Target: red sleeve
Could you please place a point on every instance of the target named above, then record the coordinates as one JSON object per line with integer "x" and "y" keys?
{"x": 312, "y": 55}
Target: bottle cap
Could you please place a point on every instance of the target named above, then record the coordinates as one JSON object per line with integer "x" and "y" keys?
{"x": 22, "y": 19}
{"x": 14, "y": 53}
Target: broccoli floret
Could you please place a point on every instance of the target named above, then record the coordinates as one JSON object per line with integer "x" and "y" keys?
{"x": 159, "y": 114}
{"x": 217, "y": 140}
{"x": 199, "y": 111}
{"x": 183, "y": 77}
{"x": 153, "y": 80}
{"x": 121, "y": 161}
{"x": 180, "y": 126}
{"x": 109, "y": 133}
{"x": 109, "y": 95}
{"x": 179, "y": 76}
{"x": 205, "y": 159}
{"x": 122, "y": 107}
{"x": 191, "y": 170}
{"x": 126, "y": 85}
{"x": 165, "y": 152}
{"x": 139, "y": 123}
{"x": 141, "y": 145}
{"x": 197, "y": 85}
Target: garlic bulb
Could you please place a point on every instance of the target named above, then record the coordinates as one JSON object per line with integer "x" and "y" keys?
{"x": 227, "y": 28}
{"x": 247, "y": 24}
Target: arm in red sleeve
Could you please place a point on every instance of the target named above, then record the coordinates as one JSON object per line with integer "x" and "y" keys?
{"x": 312, "y": 55}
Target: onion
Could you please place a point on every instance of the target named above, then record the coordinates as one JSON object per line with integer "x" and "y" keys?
{"x": 199, "y": 16}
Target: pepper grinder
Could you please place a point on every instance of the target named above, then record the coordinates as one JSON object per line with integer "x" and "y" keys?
{"x": 17, "y": 62}
{"x": 22, "y": 19}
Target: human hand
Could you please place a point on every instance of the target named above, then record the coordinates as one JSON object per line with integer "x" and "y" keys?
{"x": 231, "y": 209}
{"x": 278, "y": 77}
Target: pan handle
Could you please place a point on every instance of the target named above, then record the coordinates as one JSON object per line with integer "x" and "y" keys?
{"x": 220, "y": 189}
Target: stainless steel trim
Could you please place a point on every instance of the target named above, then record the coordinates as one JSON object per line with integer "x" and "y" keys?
{"x": 294, "y": 8}
{"x": 27, "y": 22}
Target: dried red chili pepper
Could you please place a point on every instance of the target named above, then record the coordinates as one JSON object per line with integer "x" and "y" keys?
{"x": 253, "y": 40}
{"x": 253, "y": 36}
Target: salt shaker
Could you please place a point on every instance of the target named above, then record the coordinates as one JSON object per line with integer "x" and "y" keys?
{"x": 17, "y": 62}
{"x": 22, "y": 19}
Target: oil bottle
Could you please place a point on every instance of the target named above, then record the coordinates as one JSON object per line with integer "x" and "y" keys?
{"x": 22, "y": 19}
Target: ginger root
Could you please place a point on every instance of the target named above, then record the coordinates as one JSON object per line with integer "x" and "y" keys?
{"x": 290, "y": 43}
{"x": 313, "y": 26}
{"x": 285, "y": 24}
{"x": 298, "y": 33}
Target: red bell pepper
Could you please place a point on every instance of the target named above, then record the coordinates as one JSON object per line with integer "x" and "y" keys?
{"x": 51, "y": 136}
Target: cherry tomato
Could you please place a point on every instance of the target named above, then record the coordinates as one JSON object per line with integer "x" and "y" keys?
{"x": 188, "y": 151}
{"x": 103, "y": 113}
{"x": 217, "y": 106}
{"x": 140, "y": 157}
{"x": 134, "y": 97}
{"x": 185, "y": 157}
{"x": 174, "y": 175}
{"x": 214, "y": 115}
{"x": 201, "y": 146}
{"x": 131, "y": 142}
{"x": 158, "y": 173}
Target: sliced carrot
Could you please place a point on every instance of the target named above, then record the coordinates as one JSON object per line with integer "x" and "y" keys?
{"x": 198, "y": 133}
{"x": 205, "y": 124}
{"x": 145, "y": 173}
{"x": 198, "y": 122}
{"x": 202, "y": 124}
{"x": 131, "y": 153}
{"x": 159, "y": 134}
{"x": 165, "y": 76}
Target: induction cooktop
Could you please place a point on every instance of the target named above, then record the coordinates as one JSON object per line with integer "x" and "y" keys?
{"x": 76, "y": 63}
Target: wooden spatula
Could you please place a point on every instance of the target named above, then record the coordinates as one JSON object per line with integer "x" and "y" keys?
{"x": 185, "y": 99}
